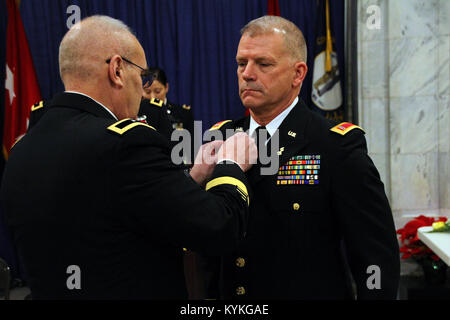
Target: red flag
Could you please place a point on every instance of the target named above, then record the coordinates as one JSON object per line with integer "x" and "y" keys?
{"x": 21, "y": 85}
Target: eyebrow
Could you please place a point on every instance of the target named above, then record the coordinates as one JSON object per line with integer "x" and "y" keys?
{"x": 260, "y": 59}
{"x": 265, "y": 59}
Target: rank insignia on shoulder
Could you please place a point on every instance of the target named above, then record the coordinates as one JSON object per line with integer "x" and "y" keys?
{"x": 345, "y": 127}
{"x": 126, "y": 125}
{"x": 219, "y": 125}
{"x": 37, "y": 106}
{"x": 156, "y": 102}
{"x": 185, "y": 107}
{"x": 303, "y": 169}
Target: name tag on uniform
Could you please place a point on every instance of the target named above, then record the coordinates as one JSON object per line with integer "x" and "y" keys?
{"x": 302, "y": 169}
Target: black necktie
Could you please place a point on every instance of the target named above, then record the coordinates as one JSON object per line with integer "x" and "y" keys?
{"x": 262, "y": 136}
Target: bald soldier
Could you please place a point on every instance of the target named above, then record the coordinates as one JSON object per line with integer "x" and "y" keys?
{"x": 95, "y": 205}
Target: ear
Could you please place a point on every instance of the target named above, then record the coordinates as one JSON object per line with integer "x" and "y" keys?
{"x": 301, "y": 69}
{"x": 167, "y": 88}
{"x": 115, "y": 71}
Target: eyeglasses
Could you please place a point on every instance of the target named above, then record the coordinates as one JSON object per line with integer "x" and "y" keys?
{"x": 147, "y": 76}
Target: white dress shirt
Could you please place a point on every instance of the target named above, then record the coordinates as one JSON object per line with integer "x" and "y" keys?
{"x": 273, "y": 126}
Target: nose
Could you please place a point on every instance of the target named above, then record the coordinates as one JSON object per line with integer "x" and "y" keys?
{"x": 248, "y": 73}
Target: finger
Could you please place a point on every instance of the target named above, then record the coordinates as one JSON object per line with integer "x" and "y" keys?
{"x": 216, "y": 145}
{"x": 209, "y": 154}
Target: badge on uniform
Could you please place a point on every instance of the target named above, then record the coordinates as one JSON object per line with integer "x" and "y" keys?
{"x": 304, "y": 169}
{"x": 178, "y": 126}
{"x": 142, "y": 119}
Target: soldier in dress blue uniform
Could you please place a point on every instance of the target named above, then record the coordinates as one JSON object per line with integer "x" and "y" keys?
{"x": 95, "y": 205}
{"x": 326, "y": 191}
{"x": 164, "y": 115}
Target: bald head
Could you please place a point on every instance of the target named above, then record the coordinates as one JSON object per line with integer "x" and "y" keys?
{"x": 293, "y": 38}
{"x": 89, "y": 43}
{"x": 101, "y": 58}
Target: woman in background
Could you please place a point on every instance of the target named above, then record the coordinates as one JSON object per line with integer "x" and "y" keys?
{"x": 162, "y": 114}
{"x": 167, "y": 117}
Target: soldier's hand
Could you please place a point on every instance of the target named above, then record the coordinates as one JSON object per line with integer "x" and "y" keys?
{"x": 241, "y": 149}
{"x": 205, "y": 162}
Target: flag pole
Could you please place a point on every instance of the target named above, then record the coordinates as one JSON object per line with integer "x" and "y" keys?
{"x": 329, "y": 40}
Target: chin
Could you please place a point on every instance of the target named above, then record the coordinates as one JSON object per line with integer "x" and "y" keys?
{"x": 250, "y": 104}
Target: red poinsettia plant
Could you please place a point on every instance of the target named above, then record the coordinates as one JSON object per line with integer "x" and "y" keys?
{"x": 411, "y": 244}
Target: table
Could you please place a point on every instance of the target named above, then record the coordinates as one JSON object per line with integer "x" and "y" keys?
{"x": 438, "y": 242}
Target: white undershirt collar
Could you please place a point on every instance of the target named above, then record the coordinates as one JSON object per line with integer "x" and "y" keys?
{"x": 275, "y": 123}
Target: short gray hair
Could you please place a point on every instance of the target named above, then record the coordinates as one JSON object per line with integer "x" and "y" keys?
{"x": 293, "y": 37}
{"x": 90, "y": 40}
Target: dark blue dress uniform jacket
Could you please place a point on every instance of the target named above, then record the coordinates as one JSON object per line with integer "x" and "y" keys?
{"x": 292, "y": 249}
{"x": 81, "y": 189}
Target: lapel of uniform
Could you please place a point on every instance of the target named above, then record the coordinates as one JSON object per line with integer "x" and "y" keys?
{"x": 292, "y": 133}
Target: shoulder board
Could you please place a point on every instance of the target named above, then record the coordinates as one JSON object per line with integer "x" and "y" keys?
{"x": 37, "y": 106}
{"x": 157, "y": 102}
{"x": 185, "y": 107}
{"x": 345, "y": 127}
{"x": 126, "y": 125}
{"x": 219, "y": 125}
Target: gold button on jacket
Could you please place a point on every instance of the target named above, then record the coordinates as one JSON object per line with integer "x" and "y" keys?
{"x": 240, "y": 262}
{"x": 240, "y": 291}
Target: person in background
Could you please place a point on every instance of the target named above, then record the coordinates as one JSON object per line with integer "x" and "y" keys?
{"x": 168, "y": 117}
{"x": 164, "y": 115}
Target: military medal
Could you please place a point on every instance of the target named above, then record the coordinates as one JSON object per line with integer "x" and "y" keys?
{"x": 302, "y": 169}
